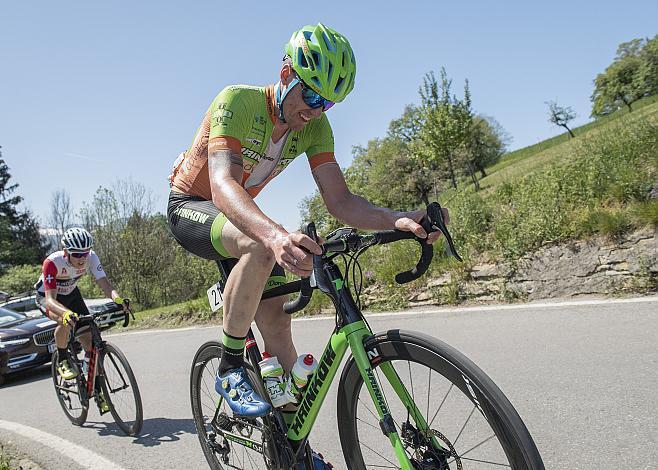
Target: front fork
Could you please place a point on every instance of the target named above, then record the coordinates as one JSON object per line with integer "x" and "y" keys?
{"x": 356, "y": 340}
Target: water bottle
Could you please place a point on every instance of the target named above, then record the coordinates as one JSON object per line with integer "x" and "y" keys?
{"x": 301, "y": 372}
{"x": 85, "y": 365}
{"x": 272, "y": 374}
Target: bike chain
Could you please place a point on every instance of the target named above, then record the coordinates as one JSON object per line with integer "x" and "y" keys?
{"x": 453, "y": 452}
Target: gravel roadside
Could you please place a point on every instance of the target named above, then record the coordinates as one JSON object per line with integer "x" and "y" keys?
{"x": 13, "y": 459}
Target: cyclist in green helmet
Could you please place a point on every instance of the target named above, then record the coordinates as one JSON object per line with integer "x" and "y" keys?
{"x": 247, "y": 137}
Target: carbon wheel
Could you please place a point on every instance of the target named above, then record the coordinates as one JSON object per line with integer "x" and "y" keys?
{"x": 120, "y": 390}
{"x": 71, "y": 394}
{"x": 227, "y": 442}
{"x": 471, "y": 424}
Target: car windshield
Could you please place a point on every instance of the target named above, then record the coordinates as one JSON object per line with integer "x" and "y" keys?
{"x": 9, "y": 316}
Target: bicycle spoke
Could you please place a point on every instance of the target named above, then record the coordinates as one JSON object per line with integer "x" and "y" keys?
{"x": 484, "y": 461}
{"x": 375, "y": 452}
{"x": 429, "y": 387}
{"x": 441, "y": 405}
{"x": 368, "y": 424}
{"x": 411, "y": 382}
{"x": 476, "y": 446}
{"x": 464, "y": 426}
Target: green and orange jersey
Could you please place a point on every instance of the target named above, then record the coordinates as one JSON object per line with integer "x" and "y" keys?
{"x": 241, "y": 118}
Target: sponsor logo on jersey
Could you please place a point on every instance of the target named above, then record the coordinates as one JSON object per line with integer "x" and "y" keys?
{"x": 254, "y": 141}
{"x": 293, "y": 147}
{"x": 252, "y": 154}
{"x": 99, "y": 268}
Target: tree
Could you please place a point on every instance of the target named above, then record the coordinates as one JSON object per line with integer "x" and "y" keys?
{"x": 445, "y": 125}
{"x": 487, "y": 142}
{"x": 60, "y": 211}
{"x": 630, "y": 77}
{"x": 138, "y": 252}
{"x": 20, "y": 240}
{"x": 649, "y": 67}
{"x": 561, "y": 115}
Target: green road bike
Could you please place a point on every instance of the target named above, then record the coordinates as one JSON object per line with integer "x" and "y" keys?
{"x": 405, "y": 400}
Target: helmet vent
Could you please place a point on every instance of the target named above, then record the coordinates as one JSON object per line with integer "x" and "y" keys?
{"x": 330, "y": 45}
{"x": 338, "y": 84}
{"x": 301, "y": 58}
{"x": 316, "y": 59}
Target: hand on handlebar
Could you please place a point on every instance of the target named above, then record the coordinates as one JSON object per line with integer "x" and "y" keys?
{"x": 294, "y": 251}
{"x": 125, "y": 304}
{"x": 410, "y": 222}
{"x": 69, "y": 318}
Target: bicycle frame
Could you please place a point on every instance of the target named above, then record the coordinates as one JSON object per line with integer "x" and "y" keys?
{"x": 97, "y": 345}
{"x": 350, "y": 333}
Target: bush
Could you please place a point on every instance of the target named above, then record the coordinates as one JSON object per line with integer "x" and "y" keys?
{"x": 646, "y": 213}
{"x": 19, "y": 279}
{"x": 611, "y": 168}
{"x": 610, "y": 223}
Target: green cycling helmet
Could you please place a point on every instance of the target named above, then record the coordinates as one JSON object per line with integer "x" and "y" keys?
{"x": 323, "y": 60}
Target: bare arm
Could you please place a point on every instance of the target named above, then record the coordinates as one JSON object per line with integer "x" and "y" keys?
{"x": 225, "y": 172}
{"x": 54, "y": 307}
{"x": 358, "y": 212}
{"x": 348, "y": 207}
{"x": 106, "y": 287}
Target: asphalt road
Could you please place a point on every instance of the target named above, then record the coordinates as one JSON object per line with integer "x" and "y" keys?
{"x": 584, "y": 377}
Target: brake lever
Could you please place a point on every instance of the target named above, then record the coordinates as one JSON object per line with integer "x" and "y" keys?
{"x": 437, "y": 222}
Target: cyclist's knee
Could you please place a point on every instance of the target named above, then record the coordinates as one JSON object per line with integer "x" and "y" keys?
{"x": 270, "y": 317}
{"x": 260, "y": 255}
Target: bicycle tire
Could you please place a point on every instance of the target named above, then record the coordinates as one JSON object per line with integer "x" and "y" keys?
{"x": 459, "y": 371}
{"x": 208, "y": 355}
{"x": 131, "y": 427}
{"x": 81, "y": 393}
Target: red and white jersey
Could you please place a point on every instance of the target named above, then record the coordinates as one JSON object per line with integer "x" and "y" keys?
{"x": 57, "y": 273}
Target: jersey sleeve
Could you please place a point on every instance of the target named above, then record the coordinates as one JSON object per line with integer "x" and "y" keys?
{"x": 229, "y": 120}
{"x": 321, "y": 149}
{"x": 49, "y": 270}
{"x": 95, "y": 267}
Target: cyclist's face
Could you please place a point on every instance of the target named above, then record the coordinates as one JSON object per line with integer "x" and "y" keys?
{"x": 297, "y": 113}
{"x": 77, "y": 262}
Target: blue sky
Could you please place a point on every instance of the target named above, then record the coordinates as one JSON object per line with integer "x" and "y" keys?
{"x": 95, "y": 91}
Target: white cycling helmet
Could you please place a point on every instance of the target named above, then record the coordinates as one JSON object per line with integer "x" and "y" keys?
{"x": 77, "y": 239}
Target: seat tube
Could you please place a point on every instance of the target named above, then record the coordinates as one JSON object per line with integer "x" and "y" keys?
{"x": 355, "y": 338}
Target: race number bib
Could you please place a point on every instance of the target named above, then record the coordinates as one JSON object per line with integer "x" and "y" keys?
{"x": 215, "y": 297}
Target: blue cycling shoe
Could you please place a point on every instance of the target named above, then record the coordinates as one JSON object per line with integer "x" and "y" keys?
{"x": 318, "y": 463}
{"x": 235, "y": 388}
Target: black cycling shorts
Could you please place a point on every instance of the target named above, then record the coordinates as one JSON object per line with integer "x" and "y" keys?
{"x": 72, "y": 301}
{"x": 197, "y": 226}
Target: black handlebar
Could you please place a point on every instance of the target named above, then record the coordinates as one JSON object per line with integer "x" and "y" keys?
{"x": 350, "y": 241}
{"x": 306, "y": 291}
{"x": 128, "y": 314}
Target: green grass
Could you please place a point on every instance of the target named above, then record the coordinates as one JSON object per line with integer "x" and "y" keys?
{"x": 196, "y": 311}
{"x": 525, "y": 152}
{"x": 530, "y": 159}
{"x": 5, "y": 460}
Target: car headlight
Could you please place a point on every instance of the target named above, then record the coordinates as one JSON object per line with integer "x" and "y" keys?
{"x": 12, "y": 342}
